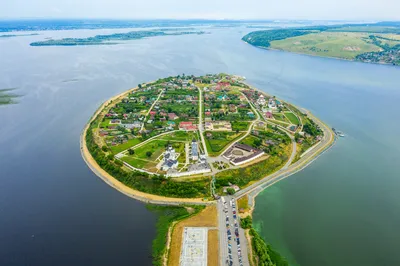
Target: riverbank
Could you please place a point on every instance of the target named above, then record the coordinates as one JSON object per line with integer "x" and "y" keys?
{"x": 321, "y": 56}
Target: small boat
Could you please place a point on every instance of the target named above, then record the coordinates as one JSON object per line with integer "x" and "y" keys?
{"x": 340, "y": 134}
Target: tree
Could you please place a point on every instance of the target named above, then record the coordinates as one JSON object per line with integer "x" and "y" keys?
{"x": 230, "y": 191}
{"x": 104, "y": 148}
{"x": 131, "y": 152}
{"x": 257, "y": 142}
{"x": 140, "y": 86}
{"x": 148, "y": 154}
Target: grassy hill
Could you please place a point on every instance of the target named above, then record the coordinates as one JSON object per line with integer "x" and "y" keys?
{"x": 376, "y": 43}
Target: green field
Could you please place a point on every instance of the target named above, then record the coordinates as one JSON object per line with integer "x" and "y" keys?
{"x": 280, "y": 117}
{"x": 124, "y": 146}
{"x": 139, "y": 163}
{"x": 332, "y": 44}
{"x": 219, "y": 141}
{"x": 249, "y": 140}
{"x": 293, "y": 119}
{"x": 179, "y": 136}
{"x": 240, "y": 125}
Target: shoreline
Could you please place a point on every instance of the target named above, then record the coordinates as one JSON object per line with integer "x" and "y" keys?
{"x": 322, "y": 56}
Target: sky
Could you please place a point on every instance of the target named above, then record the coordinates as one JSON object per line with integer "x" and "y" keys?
{"x": 203, "y": 9}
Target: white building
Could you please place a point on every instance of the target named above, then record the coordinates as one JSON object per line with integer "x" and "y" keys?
{"x": 170, "y": 161}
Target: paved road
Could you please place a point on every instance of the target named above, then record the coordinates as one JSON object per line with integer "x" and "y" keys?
{"x": 201, "y": 130}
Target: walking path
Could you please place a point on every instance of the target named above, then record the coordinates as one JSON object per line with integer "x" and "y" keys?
{"x": 151, "y": 107}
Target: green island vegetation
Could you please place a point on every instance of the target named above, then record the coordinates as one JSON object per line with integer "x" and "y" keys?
{"x": 166, "y": 216}
{"x": 8, "y": 97}
{"x": 115, "y": 38}
{"x": 17, "y": 35}
{"x": 371, "y": 43}
{"x": 153, "y": 137}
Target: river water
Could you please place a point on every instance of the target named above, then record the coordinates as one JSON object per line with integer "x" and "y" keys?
{"x": 341, "y": 210}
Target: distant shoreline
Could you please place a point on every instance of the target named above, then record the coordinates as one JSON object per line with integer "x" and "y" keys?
{"x": 321, "y": 56}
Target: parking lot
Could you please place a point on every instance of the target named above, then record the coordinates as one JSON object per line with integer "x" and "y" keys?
{"x": 233, "y": 244}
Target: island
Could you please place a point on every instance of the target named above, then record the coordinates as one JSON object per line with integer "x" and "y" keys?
{"x": 201, "y": 148}
{"x": 7, "y": 96}
{"x": 370, "y": 43}
{"x": 116, "y": 38}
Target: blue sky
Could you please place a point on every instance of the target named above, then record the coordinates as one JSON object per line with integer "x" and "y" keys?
{"x": 206, "y": 9}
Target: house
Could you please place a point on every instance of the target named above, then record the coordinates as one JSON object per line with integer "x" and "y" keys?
{"x": 171, "y": 123}
{"x": 208, "y": 113}
{"x": 137, "y": 124}
{"x": 269, "y": 115}
{"x": 209, "y": 135}
{"x": 149, "y": 121}
{"x": 223, "y": 97}
{"x": 188, "y": 126}
{"x": 153, "y": 113}
{"x": 172, "y": 116}
{"x": 250, "y": 114}
{"x": 195, "y": 151}
{"x": 115, "y": 121}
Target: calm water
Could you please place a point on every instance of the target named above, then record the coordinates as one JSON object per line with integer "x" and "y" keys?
{"x": 342, "y": 210}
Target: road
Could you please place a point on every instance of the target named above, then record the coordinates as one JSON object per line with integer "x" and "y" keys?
{"x": 151, "y": 107}
{"x": 233, "y": 250}
{"x": 201, "y": 129}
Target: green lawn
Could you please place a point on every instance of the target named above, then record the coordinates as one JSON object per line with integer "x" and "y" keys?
{"x": 124, "y": 146}
{"x": 219, "y": 141}
{"x": 249, "y": 140}
{"x": 293, "y": 119}
{"x": 156, "y": 147}
{"x": 179, "y": 136}
{"x": 280, "y": 117}
{"x": 333, "y": 44}
{"x": 240, "y": 125}
{"x": 138, "y": 163}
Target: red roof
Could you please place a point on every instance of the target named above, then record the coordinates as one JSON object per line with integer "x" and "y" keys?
{"x": 208, "y": 113}
{"x": 153, "y": 112}
{"x": 183, "y": 124}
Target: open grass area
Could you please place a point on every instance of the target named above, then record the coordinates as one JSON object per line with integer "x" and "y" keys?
{"x": 293, "y": 119}
{"x": 179, "y": 136}
{"x": 243, "y": 204}
{"x": 280, "y": 123}
{"x": 240, "y": 125}
{"x": 206, "y": 218}
{"x": 345, "y": 45}
{"x": 219, "y": 141}
{"x": 156, "y": 147}
{"x": 280, "y": 117}
{"x": 124, "y": 146}
{"x": 139, "y": 163}
{"x": 249, "y": 140}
